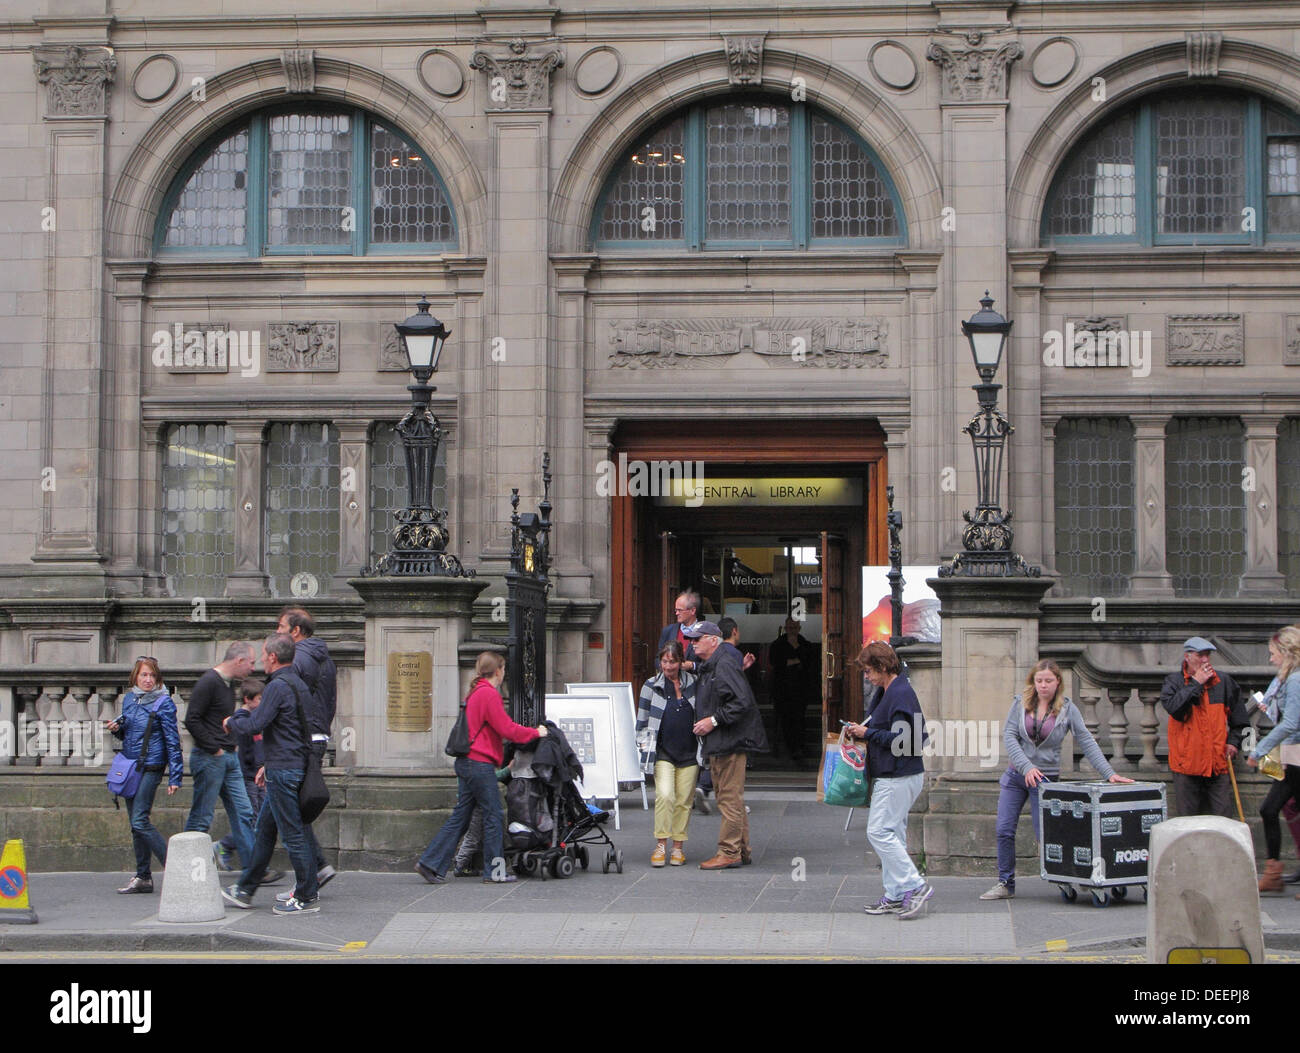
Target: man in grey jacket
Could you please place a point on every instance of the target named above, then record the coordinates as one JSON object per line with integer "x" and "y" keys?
{"x": 732, "y": 728}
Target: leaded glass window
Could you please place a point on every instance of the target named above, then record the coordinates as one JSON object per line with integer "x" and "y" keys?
{"x": 748, "y": 171}
{"x": 388, "y": 489}
{"x": 1096, "y": 189}
{"x": 314, "y": 181}
{"x": 1096, "y": 531}
{"x": 212, "y": 209}
{"x": 1191, "y": 167}
{"x": 198, "y": 501}
{"x": 850, "y": 198}
{"x": 1288, "y": 502}
{"x": 1205, "y": 511}
{"x": 647, "y": 198}
{"x": 302, "y": 508}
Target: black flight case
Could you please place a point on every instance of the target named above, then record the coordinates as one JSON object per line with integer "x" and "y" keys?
{"x": 1095, "y": 835}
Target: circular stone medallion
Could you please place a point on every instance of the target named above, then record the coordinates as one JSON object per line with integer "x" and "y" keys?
{"x": 893, "y": 65}
{"x": 155, "y": 77}
{"x": 1053, "y": 62}
{"x": 597, "y": 70}
{"x": 441, "y": 73}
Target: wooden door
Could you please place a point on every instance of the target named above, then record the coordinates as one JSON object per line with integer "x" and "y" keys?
{"x": 834, "y": 638}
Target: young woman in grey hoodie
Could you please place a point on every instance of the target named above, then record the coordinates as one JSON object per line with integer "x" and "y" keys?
{"x": 1034, "y": 733}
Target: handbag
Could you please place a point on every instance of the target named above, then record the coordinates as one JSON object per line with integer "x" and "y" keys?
{"x": 125, "y": 773}
{"x": 313, "y": 794}
{"x": 848, "y": 785}
{"x": 1271, "y": 764}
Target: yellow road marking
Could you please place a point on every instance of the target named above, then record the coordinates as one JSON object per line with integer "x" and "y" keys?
{"x": 1058, "y": 945}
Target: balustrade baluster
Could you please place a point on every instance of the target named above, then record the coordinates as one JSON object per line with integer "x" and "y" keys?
{"x": 1150, "y": 730}
{"x": 49, "y": 711}
{"x": 1119, "y": 724}
{"x": 26, "y": 696}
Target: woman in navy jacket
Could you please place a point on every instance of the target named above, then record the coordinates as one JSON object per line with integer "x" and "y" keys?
{"x": 161, "y": 755}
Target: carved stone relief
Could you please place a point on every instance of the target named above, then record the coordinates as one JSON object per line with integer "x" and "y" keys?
{"x": 677, "y": 343}
{"x": 1203, "y": 53}
{"x": 76, "y": 78}
{"x": 518, "y": 78}
{"x": 1204, "y": 340}
{"x": 974, "y": 74}
{"x": 302, "y": 347}
{"x": 392, "y": 359}
{"x": 744, "y": 59}
{"x": 1291, "y": 341}
{"x": 299, "y": 69}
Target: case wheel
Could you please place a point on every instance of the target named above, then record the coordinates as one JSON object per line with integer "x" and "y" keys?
{"x": 1099, "y": 898}
{"x": 1069, "y": 893}
{"x": 1119, "y": 892}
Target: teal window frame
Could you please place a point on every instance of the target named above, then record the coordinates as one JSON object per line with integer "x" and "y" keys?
{"x": 695, "y": 191}
{"x": 1145, "y": 175}
{"x": 257, "y": 190}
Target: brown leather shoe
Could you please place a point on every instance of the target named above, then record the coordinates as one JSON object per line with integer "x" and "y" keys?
{"x": 720, "y": 862}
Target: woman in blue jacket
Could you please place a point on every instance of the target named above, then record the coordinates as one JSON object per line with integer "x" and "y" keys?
{"x": 1286, "y": 651}
{"x": 161, "y": 755}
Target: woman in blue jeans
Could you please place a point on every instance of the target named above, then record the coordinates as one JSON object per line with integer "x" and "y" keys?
{"x": 160, "y": 755}
{"x": 476, "y": 775}
{"x": 1034, "y": 732}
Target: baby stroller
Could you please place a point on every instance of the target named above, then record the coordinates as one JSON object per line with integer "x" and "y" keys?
{"x": 550, "y": 830}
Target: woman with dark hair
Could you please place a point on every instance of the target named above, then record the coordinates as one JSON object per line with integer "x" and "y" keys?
{"x": 147, "y": 707}
{"x": 1035, "y": 729}
{"x": 894, "y": 730}
{"x": 476, "y": 776}
{"x": 670, "y": 750}
{"x": 1285, "y": 653}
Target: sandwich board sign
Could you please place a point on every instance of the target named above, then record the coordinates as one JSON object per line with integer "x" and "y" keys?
{"x": 587, "y": 720}
{"x": 627, "y": 755}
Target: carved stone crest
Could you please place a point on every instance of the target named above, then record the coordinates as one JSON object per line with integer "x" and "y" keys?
{"x": 974, "y": 74}
{"x": 1203, "y": 53}
{"x": 1095, "y": 333}
{"x": 77, "y": 79}
{"x": 1204, "y": 340}
{"x": 744, "y": 59}
{"x": 302, "y": 347}
{"x": 517, "y": 78}
{"x": 392, "y": 359}
{"x": 299, "y": 70}
{"x": 778, "y": 342}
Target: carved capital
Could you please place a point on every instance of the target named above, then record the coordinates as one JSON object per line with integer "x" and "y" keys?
{"x": 518, "y": 73}
{"x": 1203, "y": 53}
{"x": 744, "y": 59}
{"x": 299, "y": 70}
{"x": 974, "y": 74}
{"x": 76, "y": 79}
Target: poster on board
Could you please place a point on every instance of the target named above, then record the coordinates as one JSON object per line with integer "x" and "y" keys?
{"x": 587, "y": 721}
{"x": 627, "y": 755}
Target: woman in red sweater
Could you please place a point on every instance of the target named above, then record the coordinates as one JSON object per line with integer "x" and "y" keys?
{"x": 488, "y": 724}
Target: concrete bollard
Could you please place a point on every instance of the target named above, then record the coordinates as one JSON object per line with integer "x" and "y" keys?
{"x": 1204, "y": 900}
{"x": 191, "y": 890}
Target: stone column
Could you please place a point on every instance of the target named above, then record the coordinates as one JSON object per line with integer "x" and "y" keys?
{"x": 974, "y": 67}
{"x": 414, "y": 626}
{"x": 1047, "y": 436}
{"x": 74, "y": 428}
{"x": 1150, "y": 576}
{"x": 928, "y": 506}
{"x": 516, "y": 399}
{"x": 249, "y": 578}
{"x": 1028, "y": 497}
{"x": 469, "y": 351}
{"x": 1261, "y": 576}
{"x": 990, "y": 641}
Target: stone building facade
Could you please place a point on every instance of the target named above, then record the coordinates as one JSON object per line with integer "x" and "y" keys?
{"x": 214, "y": 216}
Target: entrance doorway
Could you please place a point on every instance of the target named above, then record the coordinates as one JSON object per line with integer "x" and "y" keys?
{"x": 783, "y": 527}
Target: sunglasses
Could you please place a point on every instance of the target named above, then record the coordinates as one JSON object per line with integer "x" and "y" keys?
{"x": 145, "y": 658}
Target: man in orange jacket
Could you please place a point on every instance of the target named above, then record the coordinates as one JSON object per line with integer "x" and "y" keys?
{"x": 1206, "y": 721}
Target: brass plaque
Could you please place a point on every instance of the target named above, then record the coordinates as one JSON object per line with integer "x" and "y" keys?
{"x": 410, "y": 691}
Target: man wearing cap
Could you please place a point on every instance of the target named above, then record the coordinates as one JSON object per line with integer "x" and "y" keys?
{"x": 732, "y": 729}
{"x": 1206, "y": 721}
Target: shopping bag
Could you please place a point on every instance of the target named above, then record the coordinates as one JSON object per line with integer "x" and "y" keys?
{"x": 847, "y": 784}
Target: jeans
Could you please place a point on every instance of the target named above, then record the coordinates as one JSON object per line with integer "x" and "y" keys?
{"x": 476, "y": 784}
{"x": 222, "y": 776}
{"x": 891, "y": 799}
{"x": 1011, "y": 799}
{"x": 255, "y": 797}
{"x": 280, "y": 817}
{"x": 145, "y": 837}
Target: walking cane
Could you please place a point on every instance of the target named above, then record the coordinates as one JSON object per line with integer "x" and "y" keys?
{"x": 1240, "y": 814}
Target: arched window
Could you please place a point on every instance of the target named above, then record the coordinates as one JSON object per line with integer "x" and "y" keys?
{"x": 1185, "y": 168}
{"x": 307, "y": 182}
{"x": 751, "y": 172}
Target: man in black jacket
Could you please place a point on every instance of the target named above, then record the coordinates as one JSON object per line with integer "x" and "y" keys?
{"x": 732, "y": 728}
{"x": 312, "y": 662}
{"x": 285, "y": 746}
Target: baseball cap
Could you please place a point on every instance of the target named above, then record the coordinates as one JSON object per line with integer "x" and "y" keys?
{"x": 1198, "y": 643}
{"x": 701, "y": 629}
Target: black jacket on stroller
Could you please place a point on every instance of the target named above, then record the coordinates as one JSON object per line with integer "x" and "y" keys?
{"x": 551, "y": 764}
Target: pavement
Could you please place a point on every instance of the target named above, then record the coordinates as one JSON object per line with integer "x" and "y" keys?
{"x": 801, "y": 900}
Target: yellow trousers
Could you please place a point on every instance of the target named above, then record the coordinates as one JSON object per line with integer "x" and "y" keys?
{"x": 674, "y": 795}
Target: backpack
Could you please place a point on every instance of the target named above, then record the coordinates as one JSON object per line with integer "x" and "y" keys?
{"x": 459, "y": 742}
{"x": 125, "y": 772}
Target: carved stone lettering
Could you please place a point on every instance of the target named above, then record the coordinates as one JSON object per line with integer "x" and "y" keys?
{"x": 778, "y": 342}
{"x": 302, "y": 347}
{"x": 1204, "y": 340}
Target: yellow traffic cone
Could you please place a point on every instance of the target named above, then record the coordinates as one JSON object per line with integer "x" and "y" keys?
{"x": 14, "y": 905}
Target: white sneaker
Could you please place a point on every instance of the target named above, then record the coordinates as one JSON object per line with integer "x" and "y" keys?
{"x": 1000, "y": 891}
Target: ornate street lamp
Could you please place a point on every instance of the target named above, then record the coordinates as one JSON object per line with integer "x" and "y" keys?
{"x": 986, "y": 541}
{"x": 420, "y": 536}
